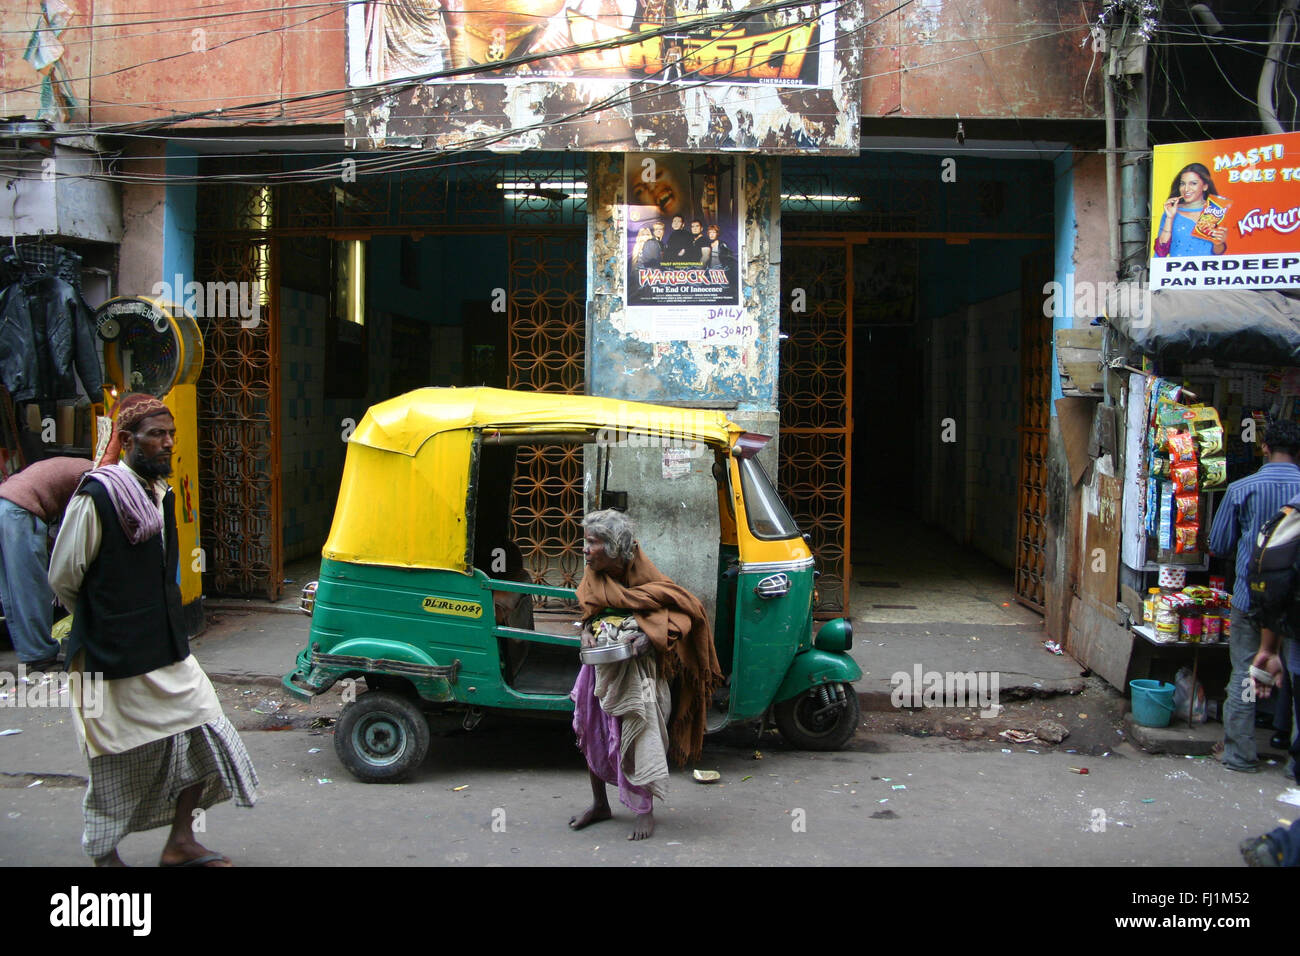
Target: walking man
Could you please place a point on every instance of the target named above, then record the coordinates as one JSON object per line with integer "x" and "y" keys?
{"x": 159, "y": 747}
{"x": 1247, "y": 505}
{"x": 30, "y": 502}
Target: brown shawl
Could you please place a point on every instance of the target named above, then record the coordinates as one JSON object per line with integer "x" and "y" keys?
{"x": 676, "y": 623}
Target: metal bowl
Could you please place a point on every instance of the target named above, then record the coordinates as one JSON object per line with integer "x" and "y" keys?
{"x": 606, "y": 653}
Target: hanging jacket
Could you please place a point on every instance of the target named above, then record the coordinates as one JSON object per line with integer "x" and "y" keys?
{"x": 45, "y": 333}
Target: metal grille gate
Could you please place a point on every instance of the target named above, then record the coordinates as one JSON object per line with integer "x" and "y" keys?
{"x": 815, "y": 386}
{"x": 238, "y": 399}
{"x": 547, "y": 346}
{"x": 1035, "y": 393}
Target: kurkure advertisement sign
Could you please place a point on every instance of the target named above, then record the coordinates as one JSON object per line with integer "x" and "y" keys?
{"x": 1225, "y": 214}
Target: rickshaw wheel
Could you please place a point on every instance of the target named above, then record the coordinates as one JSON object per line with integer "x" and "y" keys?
{"x": 821, "y": 718}
{"x": 381, "y": 737}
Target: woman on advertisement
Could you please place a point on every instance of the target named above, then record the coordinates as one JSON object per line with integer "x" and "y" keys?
{"x": 1192, "y": 198}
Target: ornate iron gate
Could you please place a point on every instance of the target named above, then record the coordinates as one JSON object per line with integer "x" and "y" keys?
{"x": 1035, "y": 393}
{"x": 815, "y": 387}
{"x": 547, "y": 345}
{"x": 238, "y": 399}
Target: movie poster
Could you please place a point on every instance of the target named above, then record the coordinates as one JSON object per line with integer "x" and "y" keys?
{"x": 605, "y": 74}
{"x": 1224, "y": 214}
{"x": 663, "y": 40}
{"x": 683, "y": 224}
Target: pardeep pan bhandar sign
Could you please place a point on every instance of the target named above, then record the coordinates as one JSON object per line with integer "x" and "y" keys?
{"x": 1225, "y": 214}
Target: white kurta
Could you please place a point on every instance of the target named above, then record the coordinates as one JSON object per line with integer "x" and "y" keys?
{"x": 114, "y": 716}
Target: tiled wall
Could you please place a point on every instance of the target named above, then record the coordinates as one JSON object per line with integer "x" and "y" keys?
{"x": 993, "y": 408}
{"x": 312, "y": 448}
{"x": 311, "y": 438}
{"x": 946, "y": 399}
{"x": 974, "y": 366}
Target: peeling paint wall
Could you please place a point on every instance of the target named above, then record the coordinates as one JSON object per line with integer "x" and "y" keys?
{"x": 143, "y": 218}
{"x": 971, "y": 58}
{"x": 676, "y": 507}
{"x": 622, "y": 361}
{"x": 779, "y": 81}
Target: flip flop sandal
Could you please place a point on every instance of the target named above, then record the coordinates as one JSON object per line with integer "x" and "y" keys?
{"x": 203, "y": 860}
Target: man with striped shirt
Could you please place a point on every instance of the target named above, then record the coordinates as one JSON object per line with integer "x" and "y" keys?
{"x": 1246, "y": 506}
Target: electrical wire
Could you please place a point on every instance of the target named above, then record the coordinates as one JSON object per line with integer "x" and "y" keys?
{"x": 719, "y": 19}
{"x": 359, "y": 98}
{"x": 330, "y": 173}
{"x": 287, "y": 107}
{"x": 423, "y": 158}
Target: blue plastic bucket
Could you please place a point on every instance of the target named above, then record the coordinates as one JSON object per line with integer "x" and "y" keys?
{"x": 1153, "y": 702}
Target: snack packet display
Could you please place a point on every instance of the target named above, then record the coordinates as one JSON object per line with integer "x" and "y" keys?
{"x": 1165, "y": 526}
{"x": 1188, "y": 507}
{"x": 1174, "y": 413}
{"x": 1207, "y": 597}
{"x": 1209, "y": 441}
{"x": 1185, "y": 477}
{"x": 1185, "y": 537}
{"x": 1182, "y": 447}
{"x": 1153, "y": 506}
{"x": 1216, "y": 207}
{"x": 1215, "y": 472}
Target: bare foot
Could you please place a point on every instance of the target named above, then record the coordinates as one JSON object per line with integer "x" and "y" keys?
{"x": 593, "y": 814}
{"x": 645, "y": 826}
{"x": 109, "y": 859}
{"x": 177, "y": 853}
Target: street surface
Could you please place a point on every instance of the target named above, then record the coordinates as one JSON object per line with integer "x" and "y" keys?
{"x": 502, "y": 795}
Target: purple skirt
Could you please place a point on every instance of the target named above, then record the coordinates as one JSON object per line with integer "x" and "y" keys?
{"x": 599, "y": 739}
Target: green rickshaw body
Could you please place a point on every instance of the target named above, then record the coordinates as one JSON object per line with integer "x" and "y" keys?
{"x": 437, "y": 624}
{"x": 401, "y": 604}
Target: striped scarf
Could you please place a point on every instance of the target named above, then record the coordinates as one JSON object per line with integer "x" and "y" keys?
{"x": 136, "y": 509}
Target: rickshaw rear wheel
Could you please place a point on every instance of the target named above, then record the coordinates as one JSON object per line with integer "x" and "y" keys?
{"x": 821, "y": 718}
{"x": 381, "y": 737}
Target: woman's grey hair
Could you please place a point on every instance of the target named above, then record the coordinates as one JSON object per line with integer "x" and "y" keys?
{"x": 616, "y": 530}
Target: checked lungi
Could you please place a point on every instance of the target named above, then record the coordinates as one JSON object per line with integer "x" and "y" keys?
{"x": 138, "y": 790}
{"x": 148, "y": 738}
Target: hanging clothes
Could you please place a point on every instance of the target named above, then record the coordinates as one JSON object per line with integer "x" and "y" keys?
{"x": 46, "y": 332}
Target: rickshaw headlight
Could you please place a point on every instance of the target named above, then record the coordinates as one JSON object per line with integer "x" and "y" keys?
{"x": 836, "y": 635}
{"x": 307, "y": 603}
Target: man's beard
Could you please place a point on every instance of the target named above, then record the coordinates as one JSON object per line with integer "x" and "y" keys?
{"x": 150, "y": 469}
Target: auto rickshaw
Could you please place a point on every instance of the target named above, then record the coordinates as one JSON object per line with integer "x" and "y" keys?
{"x": 413, "y": 595}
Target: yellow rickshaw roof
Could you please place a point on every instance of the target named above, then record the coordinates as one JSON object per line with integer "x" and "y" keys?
{"x": 404, "y": 423}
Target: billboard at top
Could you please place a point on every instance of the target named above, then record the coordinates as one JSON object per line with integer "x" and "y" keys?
{"x": 1225, "y": 214}
{"x": 610, "y": 75}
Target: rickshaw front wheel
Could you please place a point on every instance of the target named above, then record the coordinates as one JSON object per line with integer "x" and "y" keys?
{"x": 381, "y": 737}
{"x": 821, "y": 718}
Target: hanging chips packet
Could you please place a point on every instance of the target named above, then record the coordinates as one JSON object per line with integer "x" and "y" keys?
{"x": 1185, "y": 477}
{"x": 1182, "y": 447}
{"x": 1209, "y": 441}
{"x": 1185, "y": 536}
{"x": 1215, "y": 472}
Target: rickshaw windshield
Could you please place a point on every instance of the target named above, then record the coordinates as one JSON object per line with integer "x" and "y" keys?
{"x": 768, "y": 519}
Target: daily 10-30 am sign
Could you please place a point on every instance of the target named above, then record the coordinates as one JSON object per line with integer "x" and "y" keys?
{"x": 1225, "y": 214}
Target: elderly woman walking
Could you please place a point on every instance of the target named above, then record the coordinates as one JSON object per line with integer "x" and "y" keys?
{"x": 621, "y": 709}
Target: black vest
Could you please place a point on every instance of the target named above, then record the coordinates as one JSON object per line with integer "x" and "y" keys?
{"x": 128, "y": 618}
